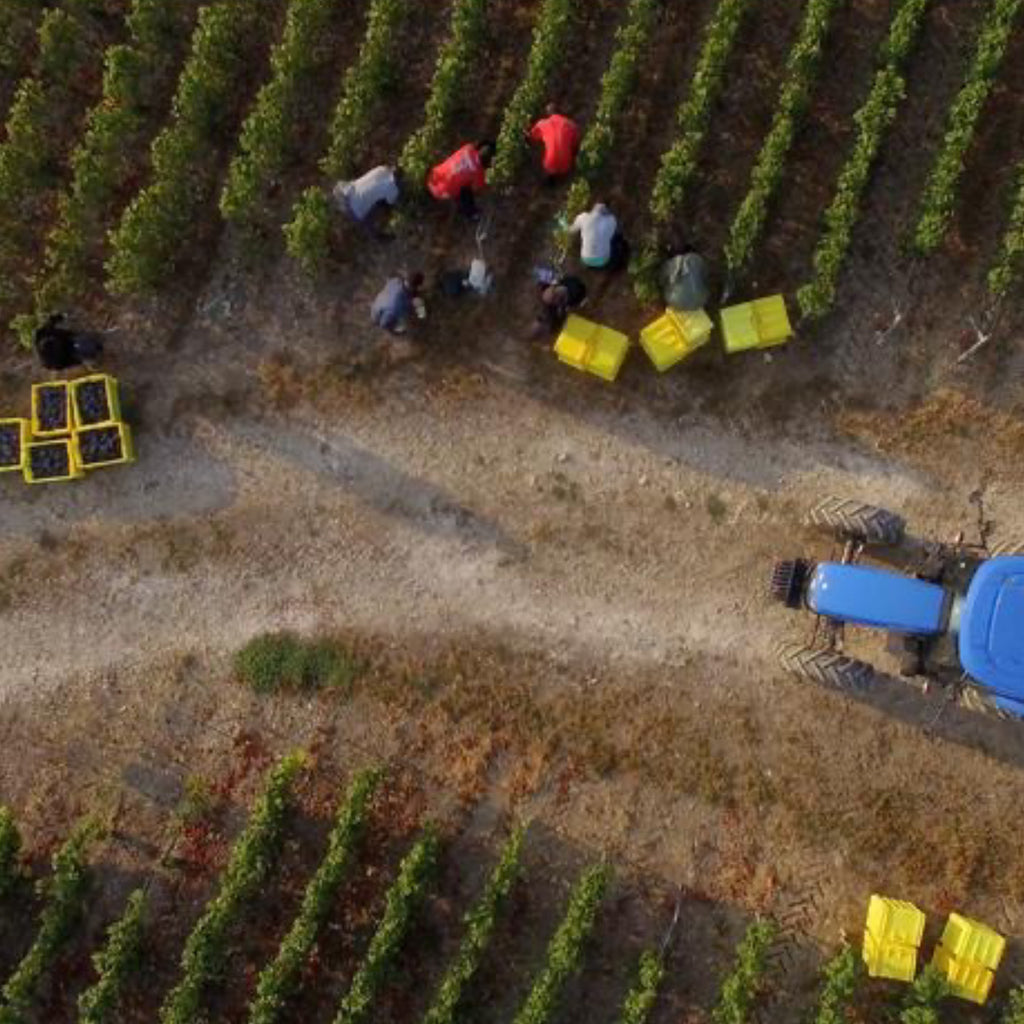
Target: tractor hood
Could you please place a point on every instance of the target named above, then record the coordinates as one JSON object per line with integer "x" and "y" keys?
{"x": 992, "y": 628}
{"x": 865, "y": 596}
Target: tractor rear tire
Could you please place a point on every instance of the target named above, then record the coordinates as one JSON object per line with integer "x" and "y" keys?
{"x": 973, "y": 698}
{"x": 846, "y": 519}
{"x": 827, "y": 668}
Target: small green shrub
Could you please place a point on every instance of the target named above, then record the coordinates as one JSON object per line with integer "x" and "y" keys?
{"x": 198, "y": 803}
{"x": 284, "y": 661}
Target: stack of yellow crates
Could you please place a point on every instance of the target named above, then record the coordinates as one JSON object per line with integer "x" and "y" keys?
{"x": 892, "y": 938}
{"x": 758, "y": 324}
{"x": 75, "y": 426}
{"x": 592, "y": 347}
{"x": 674, "y": 336}
{"x": 968, "y": 956}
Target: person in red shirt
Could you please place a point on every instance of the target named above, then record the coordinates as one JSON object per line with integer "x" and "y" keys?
{"x": 461, "y": 176}
{"x": 560, "y": 138}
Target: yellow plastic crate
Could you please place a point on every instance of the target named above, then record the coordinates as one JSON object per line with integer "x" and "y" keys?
{"x": 895, "y": 921}
{"x": 758, "y": 324}
{"x": 112, "y": 395}
{"x": 967, "y": 979}
{"x": 21, "y": 427}
{"x": 38, "y": 429}
{"x": 591, "y": 347}
{"x": 971, "y": 940}
{"x": 674, "y": 336}
{"x": 889, "y": 959}
{"x": 127, "y": 449}
{"x": 74, "y": 470}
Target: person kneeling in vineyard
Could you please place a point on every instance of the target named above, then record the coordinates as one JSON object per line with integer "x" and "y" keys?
{"x": 360, "y": 198}
{"x": 397, "y": 301}
{"x": 461, "y": 176}
{"x": 560, "y": 138}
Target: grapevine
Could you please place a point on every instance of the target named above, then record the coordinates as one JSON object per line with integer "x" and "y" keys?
{"x": 802, "y": 67}
{"x": 617, "y": 85}
{"x": 364, "y": 85}
{"x": 940, "y": 191}
{"x": 280, "y": 977}
{"x": 565, "y": 951}
{"x": 10, "y": 852}
{"x": 841, "y": 975}
{"x": 271, "y": 126}
{"x": 742, "y": 985}
{"x": 929, "y": 987}
{"x": 17, "y": 26}
{"x": 640, "y": 999}
{"x": 1008, "y": 266}
{"x": 480, "y": 922}
{"x": 35, "y": 133}
{"x": 454, "y": 64}
{"x": 547, "y": 51}
{"x": 873, "y": 120}
{"x": 115, "y": 964}
{"x": 1015, "y": 1008}
{"x": 679, "y": 163}
{"x": 252, "y": 859}
{"x": 404, "y": 896}
{"x": 65, "y": 893}
{"x": 147, "y": 242}
{"x": 308, "y": 234}
{"x": 135, "y": 75}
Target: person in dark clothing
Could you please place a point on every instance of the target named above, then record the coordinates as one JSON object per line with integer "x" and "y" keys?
{"x": 557, "y": 301}
{"x": 60, "y": 348}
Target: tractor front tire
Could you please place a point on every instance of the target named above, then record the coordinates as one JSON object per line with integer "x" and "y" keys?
{"x": 827, "y": 668}
{"x": 846, "y": 519}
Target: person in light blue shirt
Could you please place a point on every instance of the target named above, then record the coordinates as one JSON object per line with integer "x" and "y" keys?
{"x": 397, "y": 301}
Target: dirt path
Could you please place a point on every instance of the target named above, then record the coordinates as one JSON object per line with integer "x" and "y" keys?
{"x": 611, "y": 535}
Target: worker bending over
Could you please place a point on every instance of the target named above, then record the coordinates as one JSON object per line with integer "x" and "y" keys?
{"x": 376, "y": 188}
{"x": 461, "y": 176}
{"x": 397, "y": 301}
{"x": 560, "y": 138}
{"x": 602, "y": 245}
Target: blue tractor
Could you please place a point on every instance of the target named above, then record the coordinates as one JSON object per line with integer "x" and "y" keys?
{"x": 954, "y": 614}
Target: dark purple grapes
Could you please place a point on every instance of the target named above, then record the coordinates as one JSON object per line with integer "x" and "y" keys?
{"x": 91, "y": 400}
{"x": 100, "y": 445}
{"x": 53, "y": 407}
{"x": 50, "y": 461}
{"x": 10, "y": 444}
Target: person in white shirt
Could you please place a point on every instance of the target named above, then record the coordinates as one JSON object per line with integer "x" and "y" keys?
{"x": 361, "y": 197}
{"x": 598, "y": 230}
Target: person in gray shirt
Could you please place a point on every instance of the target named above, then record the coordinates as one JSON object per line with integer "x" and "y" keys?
{"x": 361, "y": 197}
{"x": 396, "y": 302}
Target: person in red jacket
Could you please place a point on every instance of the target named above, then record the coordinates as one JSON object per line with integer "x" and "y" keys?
{"x": 560, "y": 138}
{"x": 462, "y": 175}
